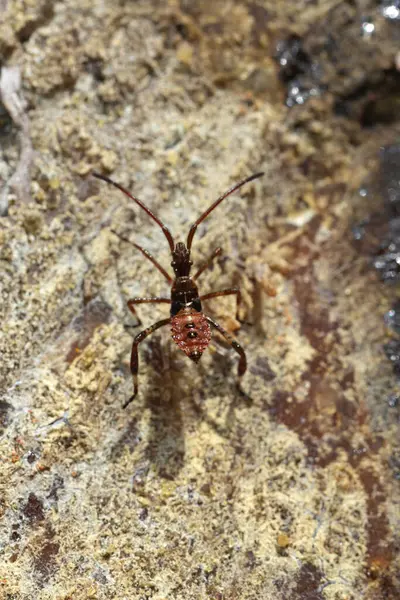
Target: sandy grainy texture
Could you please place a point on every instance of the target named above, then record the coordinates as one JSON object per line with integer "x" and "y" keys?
{"x": 288, "y": 491}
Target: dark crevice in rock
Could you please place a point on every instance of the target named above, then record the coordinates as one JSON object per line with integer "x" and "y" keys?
{"x": 43, "y": 17}
{"x": 5, "y": 410}
{"x": 373, "y": 102}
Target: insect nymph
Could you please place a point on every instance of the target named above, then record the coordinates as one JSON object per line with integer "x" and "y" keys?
{"x": 190, "y": 327}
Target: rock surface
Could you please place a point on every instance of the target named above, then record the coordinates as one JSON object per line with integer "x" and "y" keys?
{"x": 290, "y": 490}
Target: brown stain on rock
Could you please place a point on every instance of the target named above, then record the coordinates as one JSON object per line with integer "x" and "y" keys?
{"x": 33, "y": 509}
{"x": 380, "y": 547}
{"x": 308, "y": 584}
{"x": 44, "y": 549}
{"x": 45, "y": 557}
{"x": 326, "y": 420}
{"x": 94, "y": 314}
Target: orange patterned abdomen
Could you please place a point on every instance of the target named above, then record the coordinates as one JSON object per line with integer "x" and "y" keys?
{"x": 191, "y": 332}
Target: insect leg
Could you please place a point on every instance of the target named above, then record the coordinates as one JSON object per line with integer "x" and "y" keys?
{"x": 235, "y": 345}
{"x": 208, "y": 262}
{"x": 131, "y": 304}
{"x": 227, "y": 292}
{"x": 146, "y": 254}
{"x": 135, "y": 356}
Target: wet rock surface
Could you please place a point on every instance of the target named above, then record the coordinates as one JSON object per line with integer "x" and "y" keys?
{"x": 289, "y": 490}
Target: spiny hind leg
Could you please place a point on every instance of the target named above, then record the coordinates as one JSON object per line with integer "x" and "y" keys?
{"x": 135, "y": 355}
{"x": 242, "y": 366}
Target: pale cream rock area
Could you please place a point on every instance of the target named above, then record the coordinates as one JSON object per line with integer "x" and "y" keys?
{"x": 285, "y": 492}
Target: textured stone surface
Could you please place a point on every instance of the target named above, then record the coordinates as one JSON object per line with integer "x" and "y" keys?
{"x": 289, "y": 491}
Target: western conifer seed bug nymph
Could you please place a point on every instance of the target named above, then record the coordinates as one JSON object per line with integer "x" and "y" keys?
{"x": 190, "y": 327}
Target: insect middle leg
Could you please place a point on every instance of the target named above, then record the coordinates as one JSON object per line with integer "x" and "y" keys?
{"x": 234, "y": 343}
{"x": 227, "y": 292}
{"x": 146, "y": 253}
{"x": 131, "y": 304}
{"x": 208, "y": 262}
{"x": 135, "y": 356}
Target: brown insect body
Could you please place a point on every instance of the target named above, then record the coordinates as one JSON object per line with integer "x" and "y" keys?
{"x": 190, "y": 327}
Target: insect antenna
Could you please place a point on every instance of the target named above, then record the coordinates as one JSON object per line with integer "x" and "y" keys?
{"x": 165, "y": 229}
{"x": 215, "y": 204}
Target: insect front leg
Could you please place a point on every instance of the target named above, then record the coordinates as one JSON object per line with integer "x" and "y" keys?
{"x": 135, "y": 356}
{"x": 235, "y": 345}
{"x": 131, "y": 305}
{"x": 227, "y": 292}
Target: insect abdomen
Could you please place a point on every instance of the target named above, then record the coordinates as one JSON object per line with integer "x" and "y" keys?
{"x": 191, "y": 332}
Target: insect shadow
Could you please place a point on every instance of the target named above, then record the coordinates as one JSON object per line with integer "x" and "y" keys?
{"x": 217, "y": 376}
{"x": 165, "y": 448}
{"x": 165, "y": 396}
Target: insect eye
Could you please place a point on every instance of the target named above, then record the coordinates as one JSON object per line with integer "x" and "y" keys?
{"x": 190, "y": 325}
{"x": 192, "y": 334}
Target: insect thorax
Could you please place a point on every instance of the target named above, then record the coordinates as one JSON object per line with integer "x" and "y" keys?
{"x": 184, "y": 294}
